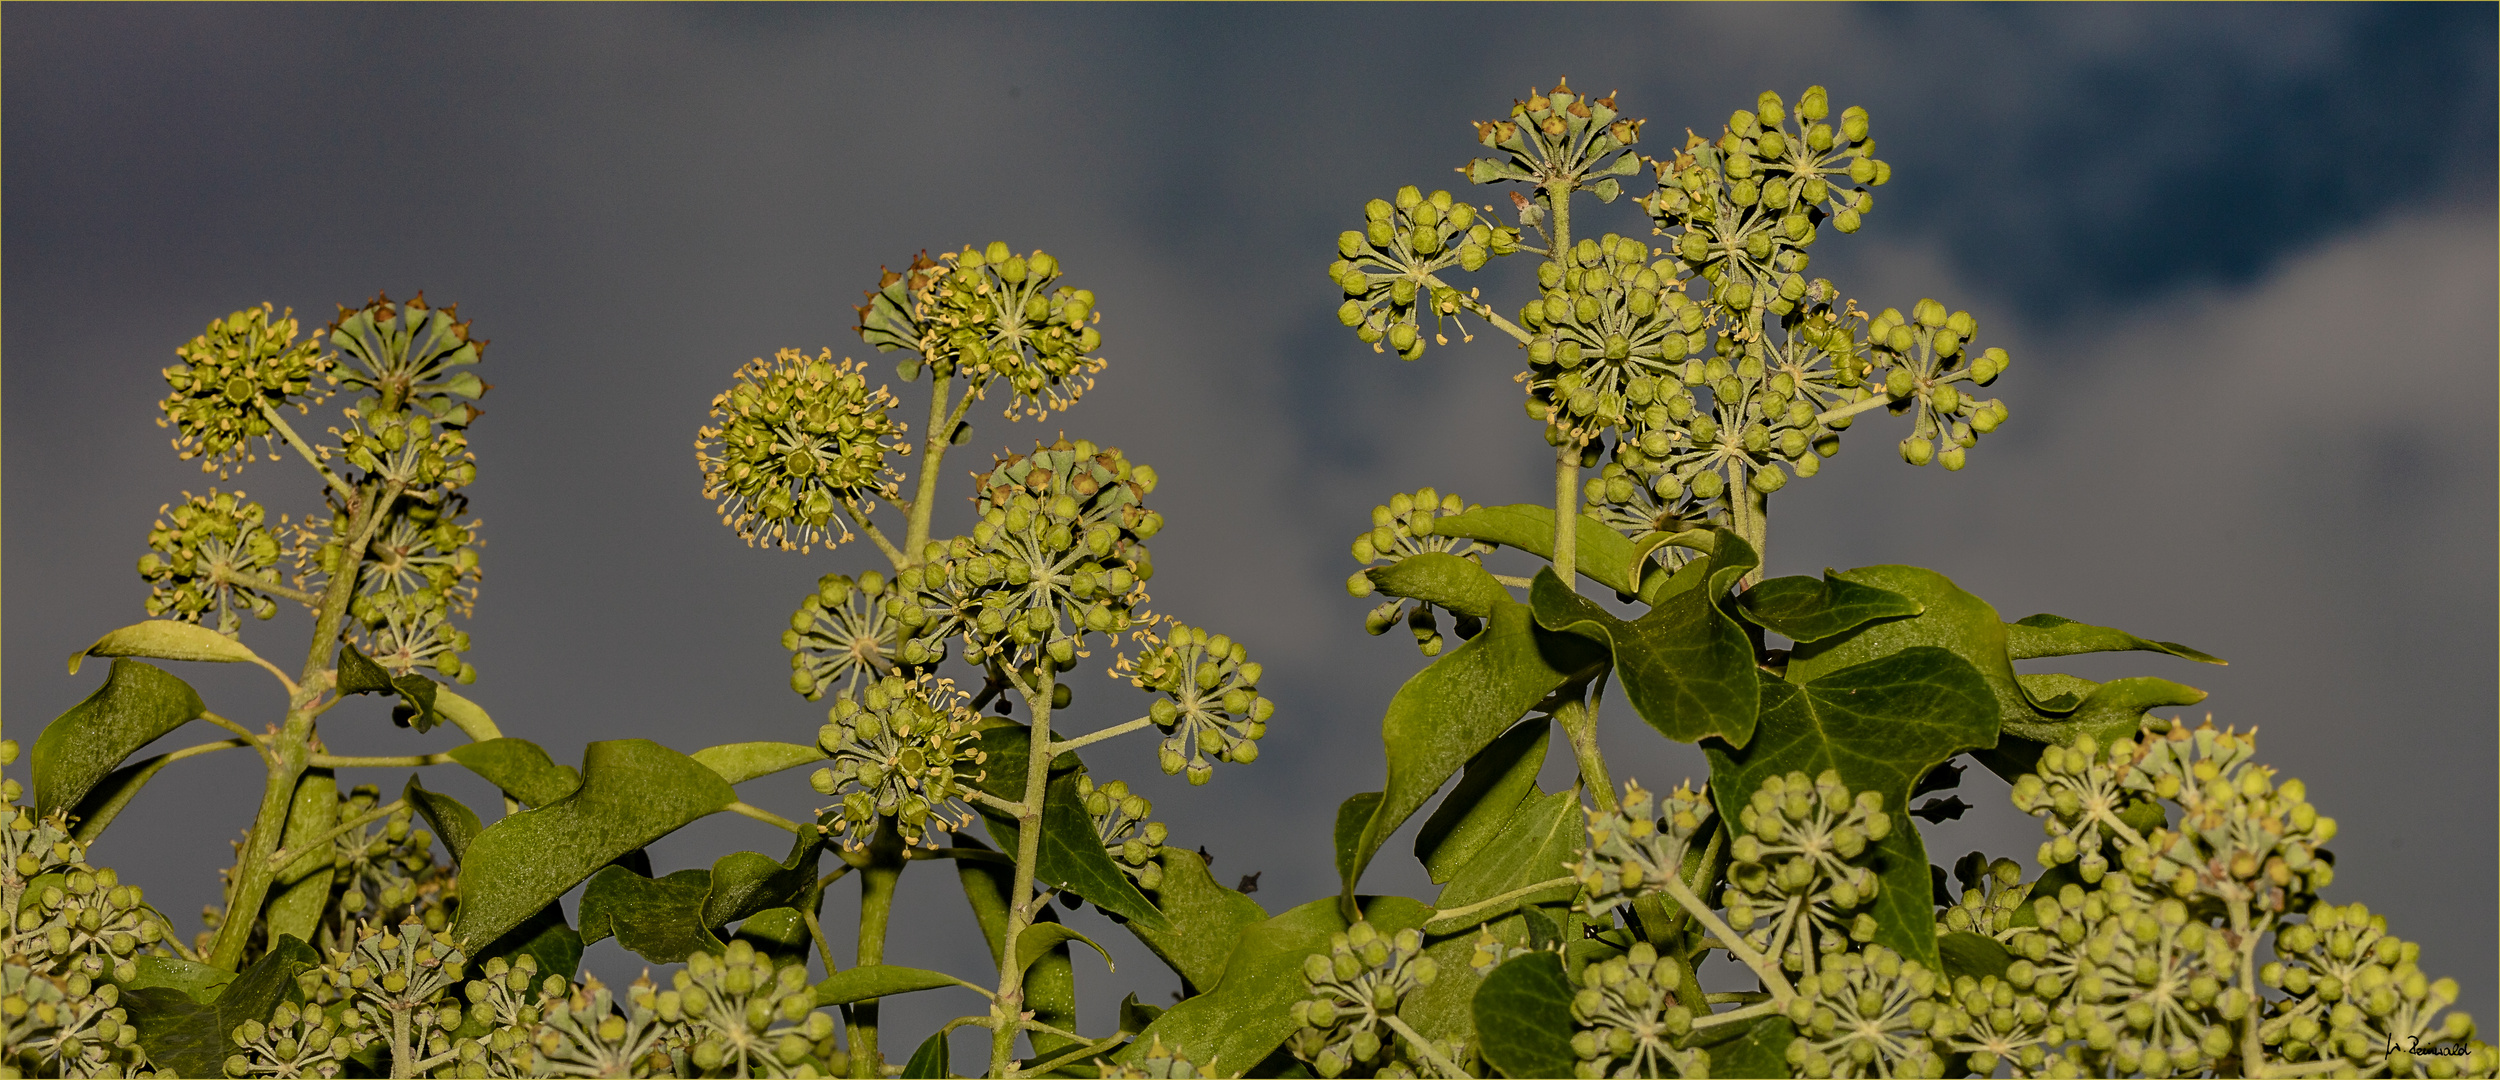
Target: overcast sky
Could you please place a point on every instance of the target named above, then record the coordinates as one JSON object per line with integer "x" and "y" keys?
{"x": 2243, "y": 257}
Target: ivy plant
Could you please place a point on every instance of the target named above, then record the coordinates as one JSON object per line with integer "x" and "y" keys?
{"x": 1682, "y": 371}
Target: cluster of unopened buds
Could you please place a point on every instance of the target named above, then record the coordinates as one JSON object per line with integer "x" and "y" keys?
{"x": 1350, "y": 1022}
{"x": 1387, "y": 268}
{"x": 840, "y": 634}
{"x": 1798, "y": 883}
{"x": 1210, "y": 703}
{"x": 1004, "y": 315}
{"x": 748, "y": 1015}
{"x": 419, "y": 572}
{"x": 2239, "y": 837}
{"x": 64, "y": 1024}
{"x": 1924, "y": 356}
{"x": 1870, "y": 1013}
{"x": 795, "y": 440}
{"x": 1120, "y": 821}
{"x": 2358, "y": 993}
{"x": 1639, "y": 848}
{"x": 1747, "y": 205}
{"x": 904, "y": 749}
{"x": 1401, "y": 529}
{"x": 585, "y": 1030}
{"x": 414, "y": 449}
{"x": 204, "y": 556}
{"x": 240, "y": 366}
{"x": 1628, "y": 1018}
{"x": 1993, "y": 894}
{"x": 304, "y": 1040}
{"x": 390, "y": 875}
{"x": 1610, "y": 329}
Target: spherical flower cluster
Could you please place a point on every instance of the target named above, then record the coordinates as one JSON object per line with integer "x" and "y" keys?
{"x": 1610, "y": 330}
{"x": 989, "y": 313}
{"x": 1635, "y": 849}
{"x": 1993, "y": 893}
{"x": 419, "y": 571}
{"x": 2239, "y": 838}
{"x": 1559, "y": 138}
{"x": 1350, "y": 1022}
{"x": 64, "y": 1025}
{"x": 86, "y": 922}
{"x": 1211, "y": 703}
{"x": 1120, "y": 822}
{"x": 1387, "y": 267}
{"x": 1869, "y": 1013}
{"x": 409, "y": 356}
{"x": 1999, "y": 1023}
{"x": 2358, "y": 993}
{"x": 2079, "y": 793}
{"x": 1059, "y": 553}
{"x": 396, "y": 980}
{"x": 1797, "y": 885}
{"x": 904, "y": 749}
{"x": 840, "y": 634}
{"x": 232, "y": 378}
{"x": 1923, "y": 357}
{"x": 414, "y": 449}
{"x": 584, "y": 1030}
{"x": 298, "y": 1041}
{"x": 1748, "y": 205}
{"x": 746, "y": 1016}
{"x": 386, "y": 873}
{"x": 2153, "y": 988}
{"x": 206, "y": 554}
{"x": 795, "y": 440}
{"x": 1628, "y": 1018}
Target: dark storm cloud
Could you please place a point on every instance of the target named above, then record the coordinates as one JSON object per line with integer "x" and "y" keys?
{"x": 2243, "y": 257}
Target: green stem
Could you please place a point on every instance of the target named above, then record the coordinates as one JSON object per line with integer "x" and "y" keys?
{"x": 1731, "y": 1016}
{"x": 402, "y": 1059}
{"x": 1567, "y": 514}
{"x": 407, "y": 761}
{"x": 260, "y": 584}
{"x": 1772, "y": 979}
{"x": 1510, "y": 897}
{"x": 766, "y": 816}
{"x": 1579, "y": 724}
{"x": 934, "y": 442}
{"x": 1006, "y": 1015}
{"x": 1115, "y": 730}
{"x": 876, "y": 906}
{"x": 1753, "y": 522}
{"x": 282, "y": 856}
{"x": 1432, "y": 1054}
{"x": 2252, "y": 1052}
{"x": 270, "y": 413}
{"x": 876, "y": 536}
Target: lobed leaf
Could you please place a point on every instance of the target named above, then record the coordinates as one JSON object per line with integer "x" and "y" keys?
{"x": 1207, "y": 921}
{"x": 659, "y": 919}
{"x": 138, "y": 704}
{"x": 1804, "y": 608}
{"x": 520, "y": 767}
{"x": 187, "y": 1037}
{"x": 1975, "y": 955}
{"x": 1244, "y": 1018}
{"x": 1687, "y": 666}
{"x": 2040, "y": 636}
{"x": 1543, "y": 835}
{"x": 1761, "y": 1051}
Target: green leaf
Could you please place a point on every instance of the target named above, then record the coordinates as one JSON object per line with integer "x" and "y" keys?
{"x": 520, "y": 768}
{"x": 200, "y": 982}
{"x": 416, "y": 701}
{"x": 929, "y": 1062}
{"x": 1450, "y": 711}
{"x": 455, "y": 823}
{"x": 464, "y": 714}
{"x": 1445, "y": 1011}
{"x": 188, "y": 1038}
{"x": 1008, "y": 746}
{"x": 633, "y": 791}
{"x": 1533, "y": 847}
{"x": 1523, "y": 1017}
{"x": 746, "y": 882}
{"x": 1882, "y": 725}
{"x": 1975, "y": 955}
{"x": 165, "y": 639}
{"x": 1354, "y": 816}
{"x": 1207, "y": 920}
{"x": 1810, "y": 609}
{"x": 1041, "y": 937}
{"x": 1686, "y": 666}
{"x": 358, "y": 674}
{"x": 1762, "y": 1051}
{"x": 1600, "y": 554}
{"x": 1455, "y": 584}
{"x": 109, "y": 797}
{"x": 1497, "y": 780}
{"x": 1244, "y": 1018}
{"x": 544, "y": 937}
{"x": 1952, "y": 619}
{"x": 780, "y": 933}
{"x": 880, "y": 980}
{"x": 741, "y": 762}
{"x": 137, "y": 704}
{"x": 660, "y": 919}
{"x": 2107, "y": 711}
{"x": 1072, "y": 857}
{"x": 2044, "y": 635}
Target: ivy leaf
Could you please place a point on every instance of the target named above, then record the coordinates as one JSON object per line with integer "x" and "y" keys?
{"x": 1207, "y": 921}
{"x": 137, "y": 704}
{"x": 1354, "y": 816}
{"x": 1244, "y": 1018}
{"x": 545, "y": 937}
{"x": 200, "y": 982}
{"x": 454, "y": 822}
{"x": 1523, "y": 1016}
{"x": 104, "y": 802}
{"x": 189, "y": 1038}
{"x": 1687, "y": 666}
{"x": 358, "y": 674}
{"x": 166, "y": 639}
{"x": 2044, "y": 635}
{"x": 1008, "y": 746}
{"x": 1497, "y": 780}
{"x": 1533, "y": 846}
{"x": 1445, "y": 1010}
{"x": 1762, "y": 1051}
{"x": 633, "y": 791}
{"x": 464, "y": 714}
{"x": 1072, "y": 856}
{"x": 1041, "y": 937}
{"x": 1975, "y": 955}
{"x": 2107, "y": 711}
{"x": 1454, "y": 584}
{"x": 747, "y": 882}
{"x": 1882, "y": 724}
{"x": 929, "y": 1062}
{"x": 1952, "y": 619}
{"x": 660, "y": 919}
{"x": 780, "y": 933}
{"x": 741, "y": 762}
{"x": 1451, "y": 710}
{"x": 520, "y": 767}
{"x": 1810, "y": 609}
{"x": 1601, "y": 554}
{"x": 880, "y": 980}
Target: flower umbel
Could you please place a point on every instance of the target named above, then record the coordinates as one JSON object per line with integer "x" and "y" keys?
{"x": 206, "y": 555}
{"x": 796, "y": 439}
{"x": 232, "y": 379}
{"x": 904, "y": 749}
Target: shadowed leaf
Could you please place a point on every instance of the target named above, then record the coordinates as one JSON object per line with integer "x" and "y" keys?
{"x": 1811, "y": 609}
{"x": 1497, "y": 780}
{"x": 2045, "y": 635}
{"x": 1207, "y": 920}
{"x": 137, "y": 704}
{"x": 1687, "y": 666}
{"x": 1523, "y": 1016}
{"x": 1452, "y": 583}
{"x": 1244, "y": 1018}
{"x": 1540, "y": 837}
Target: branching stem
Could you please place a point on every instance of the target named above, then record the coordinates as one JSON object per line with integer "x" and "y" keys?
{"x": 286, "y": 431}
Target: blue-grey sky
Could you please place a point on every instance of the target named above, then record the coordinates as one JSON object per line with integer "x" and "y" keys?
{"x": 2243, "y": 256}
